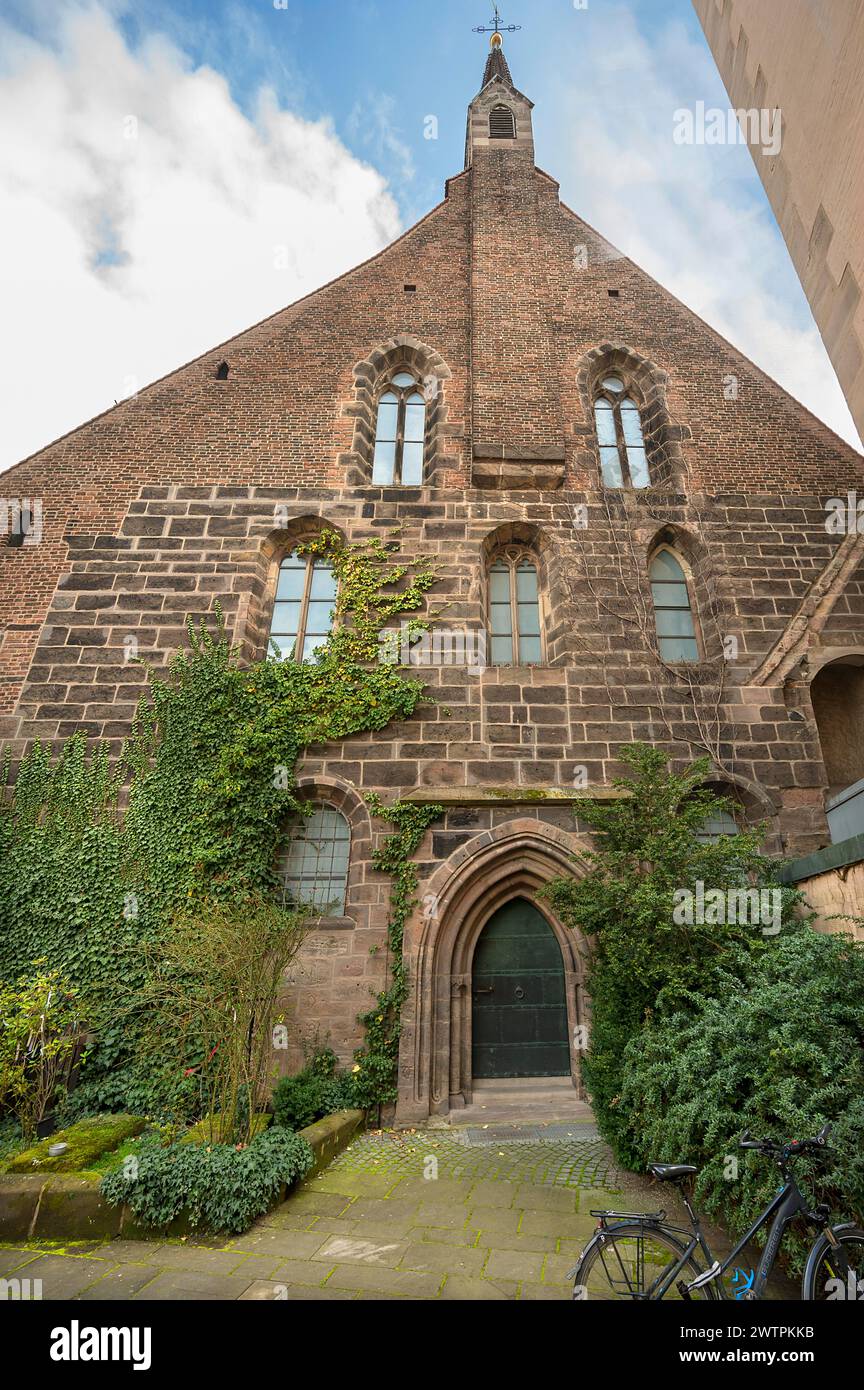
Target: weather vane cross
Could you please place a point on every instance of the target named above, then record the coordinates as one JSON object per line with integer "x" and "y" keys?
{"x": 497, "y": 26}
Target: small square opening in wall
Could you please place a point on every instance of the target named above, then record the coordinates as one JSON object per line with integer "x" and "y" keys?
{"x": 410, "y": 289}
{"x": 614, "y": 294}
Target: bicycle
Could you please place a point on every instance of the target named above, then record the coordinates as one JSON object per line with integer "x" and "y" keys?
{"x": 635, "y": 1255}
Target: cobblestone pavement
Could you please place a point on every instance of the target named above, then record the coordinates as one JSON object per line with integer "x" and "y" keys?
{"x": 488, "y": 1213}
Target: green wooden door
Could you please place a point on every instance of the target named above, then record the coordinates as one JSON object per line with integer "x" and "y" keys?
{"x": 519, "y": 1025}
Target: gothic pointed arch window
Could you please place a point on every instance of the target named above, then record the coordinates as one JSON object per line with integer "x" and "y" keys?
{"x": 400, "y": 433}
{"x": 502, "y": 123}
{"x": 673, "y": 611}
{"x": 313, "y": 867}
{"x": 303, "y": 608}
{"x": 623, "y": 460}
{"x": 515, "y": 626}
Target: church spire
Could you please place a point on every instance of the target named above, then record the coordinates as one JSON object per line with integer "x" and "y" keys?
{"x": 496, "y": 63}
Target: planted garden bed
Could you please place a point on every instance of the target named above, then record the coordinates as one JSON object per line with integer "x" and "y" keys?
{"x": 80, "y": 1145}
{"x": 64, "y": 1205}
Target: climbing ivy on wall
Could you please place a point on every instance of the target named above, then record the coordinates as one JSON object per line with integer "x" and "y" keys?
{"x": 96, "y": 857}
{"x": 375, "y": 1072}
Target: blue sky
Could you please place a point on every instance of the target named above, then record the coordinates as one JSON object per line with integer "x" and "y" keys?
{"x": 272, "y": 148}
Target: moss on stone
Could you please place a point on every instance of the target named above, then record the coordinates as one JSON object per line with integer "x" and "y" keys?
{"x": 205, "y": 1133}
{"x": 87, "y": 1140}
{"x": 114, "y": 1158}
{"x": 523, "y": 793}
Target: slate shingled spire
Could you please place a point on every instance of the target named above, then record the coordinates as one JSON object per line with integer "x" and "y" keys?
{"x": 496, "y": 63}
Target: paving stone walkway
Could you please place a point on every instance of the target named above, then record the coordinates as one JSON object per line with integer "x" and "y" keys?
{"x": 461, "y": 1214}
{"x": 493, "y": 1213}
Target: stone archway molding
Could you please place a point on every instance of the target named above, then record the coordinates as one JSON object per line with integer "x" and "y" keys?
{"x": 646, "y": 384}
{"x": 513, "y": 860}
{"x": 255, "y": 607}
{"x": 401, "y": 352}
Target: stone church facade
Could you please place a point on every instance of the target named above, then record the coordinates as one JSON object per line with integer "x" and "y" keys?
{"x": 629, "y": 521}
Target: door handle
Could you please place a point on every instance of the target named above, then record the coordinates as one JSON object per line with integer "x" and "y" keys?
{"x": 490, "y": 990}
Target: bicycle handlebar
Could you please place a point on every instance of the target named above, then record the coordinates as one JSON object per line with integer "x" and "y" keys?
{"x": 790, "y": 1148}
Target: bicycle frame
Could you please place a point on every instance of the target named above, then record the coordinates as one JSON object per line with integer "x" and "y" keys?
{"x": 788, "y": 1204}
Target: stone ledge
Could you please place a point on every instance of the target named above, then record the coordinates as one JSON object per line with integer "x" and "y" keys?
{"x": 56, "y": 1208}
{"x": 71, "y": 1207}
{"x": 546, "y": 453}
{"x": 85, "y": 1141}
{"x": 328, "y": 1137}
{"x": 518, "y": 476}
{"x": 512, "y": 796}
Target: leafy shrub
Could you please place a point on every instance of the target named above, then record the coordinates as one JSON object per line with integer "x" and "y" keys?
{"x": 323, "y": 1062}
{"x": 778, "y": 1052}
{"x": 213, "y": 983}
{"x": 39, "y": 1040}
{"x": 11, "y": 1138}
{"x": 219, "y": 1187}
{"x": 649, "y": 850}
{"x": 314, "y": 1092}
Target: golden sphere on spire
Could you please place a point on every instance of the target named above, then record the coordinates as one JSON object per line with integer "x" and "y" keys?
{"x": 496, "y": 41}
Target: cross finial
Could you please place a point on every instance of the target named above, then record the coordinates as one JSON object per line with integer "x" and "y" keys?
{"x": 497, "y": 28}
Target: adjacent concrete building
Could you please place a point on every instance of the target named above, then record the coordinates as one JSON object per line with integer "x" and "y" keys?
{"x": 806, "y": 57}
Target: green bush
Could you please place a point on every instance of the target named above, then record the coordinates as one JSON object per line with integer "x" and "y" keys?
{"x": 11, "y": 1138}
{"x": 39, "y": 1039}
{"x": 648, "y": 850}
{"x": 314, "y": 1092}
{"x": 779, "y": 1051}
{"x": 213, "y": 984}
{"x": 218, "y": 1187}
{"x": 323, "y": 1062}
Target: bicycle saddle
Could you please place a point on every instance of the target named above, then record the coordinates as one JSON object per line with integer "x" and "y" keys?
{"x": 670, "y": 1172}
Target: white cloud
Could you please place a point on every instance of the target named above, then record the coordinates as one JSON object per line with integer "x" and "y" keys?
{"x": 124, "y": 257}
{"x": 692, "y": 217}
{"x": 146, "y": 218}
{"x": 372, "y": 124}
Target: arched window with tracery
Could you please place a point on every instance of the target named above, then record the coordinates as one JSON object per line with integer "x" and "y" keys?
{"x": 314, "y": 865}
{"x": 515, "y": 627}
{"x": 303, "y": 608}
{"x": 400, "y": 433}
{"x": 673, "y": 609}
{"x": 623, "y": 460}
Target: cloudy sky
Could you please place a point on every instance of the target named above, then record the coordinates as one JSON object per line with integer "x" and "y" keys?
{"x": 172, "y": 172}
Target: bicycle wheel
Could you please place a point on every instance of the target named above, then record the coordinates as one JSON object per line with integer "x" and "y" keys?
{"x": 825, "y": 1281}
{"x": 631, "y": 1263}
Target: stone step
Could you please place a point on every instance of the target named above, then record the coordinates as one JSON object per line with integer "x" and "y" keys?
{"x": 579, "y": 1113}
{"x": 529, "y": 1100}
{"x": 510, "y": 1084}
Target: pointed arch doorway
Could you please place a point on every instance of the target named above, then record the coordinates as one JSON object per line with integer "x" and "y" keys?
{"x": 519, "y": 1003}
{"x": 512, "y": 861}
